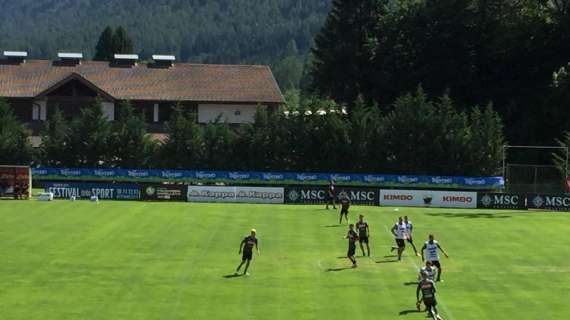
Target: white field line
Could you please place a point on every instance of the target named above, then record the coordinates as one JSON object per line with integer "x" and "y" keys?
{"x": 417, "y": 269}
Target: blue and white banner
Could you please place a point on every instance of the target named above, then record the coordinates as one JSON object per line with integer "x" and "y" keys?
{"x": 104, "y": 191}
{"x": 270, "y": 177}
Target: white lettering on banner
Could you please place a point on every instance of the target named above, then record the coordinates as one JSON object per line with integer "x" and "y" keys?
{"x": 102, "y": 193}
{"x": 304, "y": 177}
{"x": 104, "y": 173}
{"x": 238, "y": 176}
{"x": 440, "y": 180}
{"x": 64, "y": 192}
{"x": 361, "y": 195}
{"x": 134, "y": 173}
{"x": 427, "y": 198}
{"x": 39, "y": 172}
{"x": 171, "y": 174}
{"x": 312, "y": 194}
{"x": 271, "y": 176}
{"x": 337, "y": 177}
{"x": 371, "y": 178}
{"x": 68, "y": 172}
{"x": 472, "y": 181}
{"x": 205, "y": 175}
{"x": 405, "y": 179}
{"x": 235, "y": 194}
{"x": 557, "y": 201}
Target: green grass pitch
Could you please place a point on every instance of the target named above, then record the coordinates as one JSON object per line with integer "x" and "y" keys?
{"x": 136, "y": 260}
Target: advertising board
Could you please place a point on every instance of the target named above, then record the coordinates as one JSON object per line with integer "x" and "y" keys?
{"x": 104, "y": 191}
{"x": 501, "y": 201}
{"x": 549, "y": 202}
{"x": 428, "y": 198}
{"x": 318, "y": 195}
{"x": 235, "y": 194}
{"x": 163, "y": 192}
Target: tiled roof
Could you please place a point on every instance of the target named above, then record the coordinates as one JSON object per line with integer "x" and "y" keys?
{"x": 183, "y": 82}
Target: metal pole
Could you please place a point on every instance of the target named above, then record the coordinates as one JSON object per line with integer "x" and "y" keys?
{"x": 535, "y": 179}
{"x": 505, "y": 169}
{"x": 566, "y": 167}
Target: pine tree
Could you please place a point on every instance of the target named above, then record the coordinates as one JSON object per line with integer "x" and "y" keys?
{"x": 54, "y": 141}
{"x": 15, "y": 147}
{"x": 184, "y": 146}
{"x": 88, "y": 141}
{"x": 131, "y": 145}
{"x": 121, "y": 41}
{"x": 344, "y": 48}
{"x": 104, "y": 50}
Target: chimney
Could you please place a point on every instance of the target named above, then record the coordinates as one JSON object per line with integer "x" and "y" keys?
{"x": 69, "y": 59}
{"x": 125, "y": 60}
{"x": 16, "y": 57}
{"x": 162, "y": 61}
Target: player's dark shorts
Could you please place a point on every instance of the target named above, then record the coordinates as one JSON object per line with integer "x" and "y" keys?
{"x": 401, "y": 243}
{"x": 351, "y": 250}
{"x": 247, "y": 255}
{"x": 430, "y": 302}
{"x": 363, "y": 239}
{"x": 344, "y": 211}
{"x": 436, "y": 264}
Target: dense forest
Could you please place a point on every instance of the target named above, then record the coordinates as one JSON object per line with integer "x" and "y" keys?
{"x": 509, "y": 58}
{"x": 211, "y": 31}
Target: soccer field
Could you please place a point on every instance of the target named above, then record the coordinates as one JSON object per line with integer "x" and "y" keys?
{"x": 136, "y": 260}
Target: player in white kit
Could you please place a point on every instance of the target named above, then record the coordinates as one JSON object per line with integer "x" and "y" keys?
{"x": 432, "y": 247}
{"x": 409, "y": 229}
{"x": 399, "y": 232}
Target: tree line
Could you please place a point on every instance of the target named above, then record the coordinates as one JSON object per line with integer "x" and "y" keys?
{"x": 508, "y": 53}
{"x": 213, "y": 31}
{"x": 418, "y": 136}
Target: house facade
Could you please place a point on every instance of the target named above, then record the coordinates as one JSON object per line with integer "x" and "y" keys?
{"x": 35, "y": 88}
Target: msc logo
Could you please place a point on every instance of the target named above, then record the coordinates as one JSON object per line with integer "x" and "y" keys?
{"x": 538, "y": 202}
{"x": 293, "y": 195}
{"x": 489, "y": 200}
{"x": 150, "y": 191}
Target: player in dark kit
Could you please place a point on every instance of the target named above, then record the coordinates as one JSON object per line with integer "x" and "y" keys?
{"x": 352, "y": 238}
{"x": 344, "y": 205}
{"x": 331, "y": 194}
{"x": 427, "y": 288}
{"x": 363, "y": 234}
{"x": 247, "y": 243}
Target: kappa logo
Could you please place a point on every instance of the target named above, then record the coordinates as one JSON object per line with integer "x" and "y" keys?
{"x": 486, "y": 200}
{"x": 538, "y": 202}
{"x": 293, "y": 195}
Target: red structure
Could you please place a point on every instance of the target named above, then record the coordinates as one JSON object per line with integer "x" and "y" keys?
{"x": 15, "y": 182}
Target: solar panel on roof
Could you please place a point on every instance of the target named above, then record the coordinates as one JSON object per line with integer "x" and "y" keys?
{"x": 17, "y": 54}
{"x": 159, "y": 57}
{"x": 126, "y": 56}
{"x": 69, "y": 55}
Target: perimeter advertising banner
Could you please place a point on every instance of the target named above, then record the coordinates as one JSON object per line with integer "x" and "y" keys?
{"x": 427, "y": 198}
{"x": 501, "y": 201}
{"x": 549, "y": 202}
{"x": 164, "y": 192}
{"x": 105, "y": 191}
{"x": 235, "y": 194}
{"x": 319, "y": 195}
{"x": 277, "y": 178}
